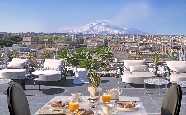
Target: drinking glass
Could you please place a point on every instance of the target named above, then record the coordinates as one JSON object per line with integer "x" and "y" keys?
{"x": 120, "y": 90}
{"x": 76, "y": 97}
{"x": 106, "y": 109}
{"x": 114, "y": 107}
{"x": 119, "y": 86}
{"x": 73, "y": 106}
{"x": 106, "y": 98}
{"x": 95, "y": 106}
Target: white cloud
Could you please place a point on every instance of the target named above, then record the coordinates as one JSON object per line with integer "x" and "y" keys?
{"x": 132, "y": 14}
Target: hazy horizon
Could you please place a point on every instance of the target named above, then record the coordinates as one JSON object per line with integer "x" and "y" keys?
{"x": 151, "y": 16}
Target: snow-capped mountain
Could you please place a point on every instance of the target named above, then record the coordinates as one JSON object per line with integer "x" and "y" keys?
{"x": 104, "y": 27}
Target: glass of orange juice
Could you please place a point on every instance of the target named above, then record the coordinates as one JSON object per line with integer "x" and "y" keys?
{"x": 73, "y": 106}
{"x": 106, "y": 98}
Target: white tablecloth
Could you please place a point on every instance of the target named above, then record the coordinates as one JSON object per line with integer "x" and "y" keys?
{"x": 140, "y": 111}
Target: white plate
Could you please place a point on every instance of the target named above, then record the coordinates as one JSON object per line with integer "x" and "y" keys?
{"x": 129, "y": 109}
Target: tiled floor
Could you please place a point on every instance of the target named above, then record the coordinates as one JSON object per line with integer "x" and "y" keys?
{"x": 38, "y": 98}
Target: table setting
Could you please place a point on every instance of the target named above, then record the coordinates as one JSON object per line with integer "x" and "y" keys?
{"x": 108, "y": 103}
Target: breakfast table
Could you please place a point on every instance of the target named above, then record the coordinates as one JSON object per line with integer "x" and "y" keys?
{"x": 46, "y": 109}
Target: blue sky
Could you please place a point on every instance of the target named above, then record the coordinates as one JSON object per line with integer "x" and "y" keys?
{"x": 154, "y": 16}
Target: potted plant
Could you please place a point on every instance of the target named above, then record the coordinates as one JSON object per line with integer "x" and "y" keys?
{"x": 95, "y": 59}
{"x": 156, "y": 61}
{"x": 92, "y": 59}
{"x": 95, "y": 81}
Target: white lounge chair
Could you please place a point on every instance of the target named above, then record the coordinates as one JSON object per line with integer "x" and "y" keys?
{"x": 178, "y": 70}
{"x": 16, "y": 70}
{"x": 17, "y": 63}
{"x": 135, "y": 71}
{"x": 52, "y": 70}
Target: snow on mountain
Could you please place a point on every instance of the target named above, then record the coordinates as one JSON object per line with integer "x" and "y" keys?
{"x": 104, "y": 27}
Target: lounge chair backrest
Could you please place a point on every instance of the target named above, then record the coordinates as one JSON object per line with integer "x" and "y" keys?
{"x": 17, "y": 101}
{"x": 128, "y": 63}
{"x": 177, "y": 66}
{"x": 53, "y": 64}
{"x": 17, "y": 63}
{"x": 19, "y": 60}
{"x": 172, "y": 101}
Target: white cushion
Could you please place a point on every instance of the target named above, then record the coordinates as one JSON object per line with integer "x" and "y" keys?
{"x": 53, "y": 64}
{"x": 13, "y": 73}
{"x": 176, "y": 77}
{"x": 19, "y": 60}
{"x": 17, "y": 63}
{"x": 47, "y": 75}
{"x": 138, "y": 68}
{"x": 128, "y": 63}
{"x": 13, "y": 65}
{"x": 45, "y": 72}
{"x": 136, "y": 77}
{"x": 177, "y": 66}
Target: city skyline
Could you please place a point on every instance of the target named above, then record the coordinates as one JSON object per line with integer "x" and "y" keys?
{"x": 152, "y": 16}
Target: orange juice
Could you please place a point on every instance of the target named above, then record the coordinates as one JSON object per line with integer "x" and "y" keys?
{"x": 106, "y": 98}
{"x": 73, "y": 106}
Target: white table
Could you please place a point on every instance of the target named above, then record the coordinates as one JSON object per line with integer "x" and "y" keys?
{"x": 183, "y": 85}
{"x": 107, "y": 72}
{"x": 46, "y": 111}
{"x": 156, "y": 81}
{"x": 111, "y": 73}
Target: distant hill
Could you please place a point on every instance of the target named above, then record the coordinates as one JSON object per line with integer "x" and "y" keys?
{"x": 104, "y": 27}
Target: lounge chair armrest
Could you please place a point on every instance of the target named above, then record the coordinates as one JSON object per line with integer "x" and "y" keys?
{"x": 127, "y": 69}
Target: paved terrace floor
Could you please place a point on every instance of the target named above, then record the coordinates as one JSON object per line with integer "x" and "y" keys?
{"x": 38, "y": 98}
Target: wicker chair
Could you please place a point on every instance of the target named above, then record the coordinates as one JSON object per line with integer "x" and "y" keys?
{"x": 172, "y": 101}
{"x": 17, "y": 101}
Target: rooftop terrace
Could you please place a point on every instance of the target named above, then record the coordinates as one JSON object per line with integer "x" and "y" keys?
{"x": 38, "y": 98}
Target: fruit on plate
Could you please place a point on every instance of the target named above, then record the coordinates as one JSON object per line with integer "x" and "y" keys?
{"x": 85, "y": 112}
{"x": 127, "y": 104}
{"x": 57, "y": 104}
